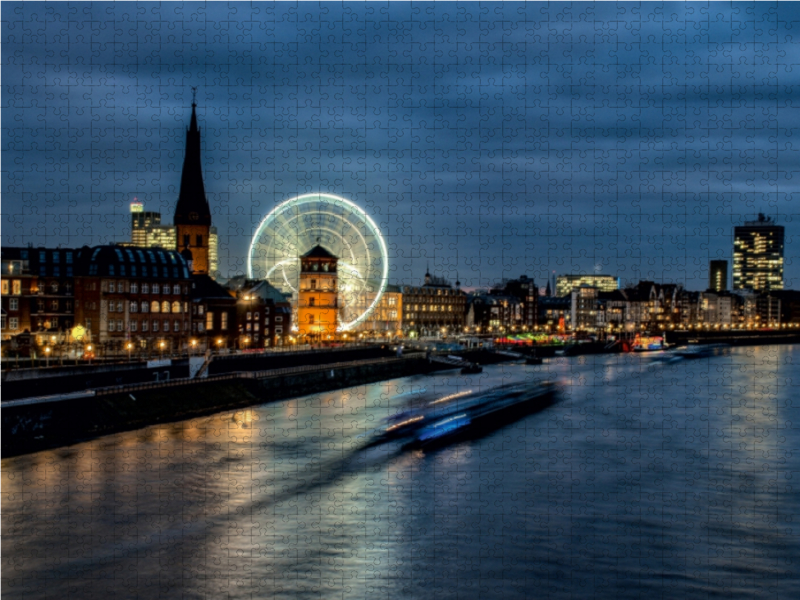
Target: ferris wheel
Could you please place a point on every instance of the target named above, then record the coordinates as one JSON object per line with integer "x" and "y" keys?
{"x": 340, "y": 226}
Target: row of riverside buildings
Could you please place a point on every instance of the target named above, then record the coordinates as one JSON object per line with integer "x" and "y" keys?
{"x": 159, "y": 292}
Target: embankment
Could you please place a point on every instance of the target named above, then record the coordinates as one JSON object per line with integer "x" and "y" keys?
{"x": 32, "y": 427}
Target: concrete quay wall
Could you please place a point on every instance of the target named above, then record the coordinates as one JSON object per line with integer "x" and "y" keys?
{"x": 30, "y": 428}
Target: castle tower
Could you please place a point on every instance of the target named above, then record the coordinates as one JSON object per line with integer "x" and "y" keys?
{"x": 317, "y": 306}
{"x": 192, "y": 214}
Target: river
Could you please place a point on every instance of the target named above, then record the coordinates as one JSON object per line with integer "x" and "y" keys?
{"x": 648, "y": 479}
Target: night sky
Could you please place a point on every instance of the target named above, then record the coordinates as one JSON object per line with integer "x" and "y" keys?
{"x": 489, "y": 140}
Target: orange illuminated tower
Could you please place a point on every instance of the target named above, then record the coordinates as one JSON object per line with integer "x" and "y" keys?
{"x": 318, "y": 306}
{"x": 192, "y": 214}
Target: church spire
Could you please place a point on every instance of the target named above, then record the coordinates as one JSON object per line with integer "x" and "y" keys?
{"x": 192, "y": 207}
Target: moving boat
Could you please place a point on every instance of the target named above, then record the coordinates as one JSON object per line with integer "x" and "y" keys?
{"x": 702, "y": 350}
{"x": 505, "y": 405}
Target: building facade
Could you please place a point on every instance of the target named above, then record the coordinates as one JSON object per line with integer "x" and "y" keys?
{"x": 758, "y": 255}
{"x": 133, "y": 299}
{"x": 433, "y": 308}
{"x": 718, "y": 276}
{"x": 318, "y": 298}
{"x": 37, "y": 292}
{"x": 566, "y": 283}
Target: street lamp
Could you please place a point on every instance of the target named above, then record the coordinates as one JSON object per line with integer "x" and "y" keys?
{"x": 219, "y": 344}
{"x": 129, "y": 346}
{"x": 194, "y": 344}
{"x": 161, "y": 346}
{"x": 47, "y": 355}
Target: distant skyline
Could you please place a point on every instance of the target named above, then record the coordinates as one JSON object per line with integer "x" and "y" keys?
{"x": 489, "y": 140}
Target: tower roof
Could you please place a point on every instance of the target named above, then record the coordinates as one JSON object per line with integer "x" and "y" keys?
{"x": 192, "y": 207}
{"x": 318, "y": 252}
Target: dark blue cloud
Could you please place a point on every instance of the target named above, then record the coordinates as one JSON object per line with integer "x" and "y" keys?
{"x": 490, "y": 139}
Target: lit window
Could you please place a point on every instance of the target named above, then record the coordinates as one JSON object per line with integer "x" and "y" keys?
{"x": 4, "y": 288}
{"x": 155, "y": 306}
{"x": 134, "y": 288}
{"x": 16, "y": 285}
{"x": 176, "y": 307}
{"x": 224, "y": 320}
{"x": 210, "y": 320}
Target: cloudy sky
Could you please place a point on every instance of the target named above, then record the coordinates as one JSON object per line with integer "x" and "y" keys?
{"x": 489, "y": 140}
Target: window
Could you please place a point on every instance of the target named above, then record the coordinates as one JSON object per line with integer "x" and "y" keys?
{"x": 69, "y": 258}
{"x": 176, "y": 326}
{"x": 145, "y": 306}
{"x": 279, "y": 330}
{"x": 145, "y": 325}
{"x": 266, "y": 310}
{"x": 54, "y": 287}
{"x": 186, "y": 325}
{"x": 224, "y": 320}
{"x": 110, "y": 306}
{"x": 42, "y": 256}
{"x": 4, "y": 288}
{"x": 312, "y": 301}
{"x": 256, "y": 316}
{"x": 134, "y": 325}
{"x": 119, "y": 307}
{"x": 16, "y": 286}
{"x": 155, "y": 306}
{"x": 186, "y": 240}
{"x": 313, "y": 284}
{"x": 266, "y": 320}
{"x": 13, "y": 323}
{"x": 134, "y": 288}
{"x": 54, "y": 305}
{"x": 176, "y": 289}
{"x": 249, "y": 316}
{"x": 134, "y": 307}
{"x": 249, "y": 326}
{"x": 156, "y": 289}
{"x": 176, "y": 307}
{"x": 13, "y": 304}
{"x": 145, "y": 288}
{"x": 278, "y": 319}
{"x": 209, "y": 320}
{"x": 111, "y": 325}
{"x": 200, "y": 327}
{"x": 155, "y": 325}
{"x": 166, "y": 326}
{"x": 392, "y": 301}
{"x": 256, "y": 327}
{"x": 165, "y": 306}
{"x": 200, "y": 309}
{"x": 310, "y": 319}
{"x": 2, "y": 322}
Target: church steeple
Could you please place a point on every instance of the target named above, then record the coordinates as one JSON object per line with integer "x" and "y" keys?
{"x": 192, "y": 207}
{"x": 192, "y": 213}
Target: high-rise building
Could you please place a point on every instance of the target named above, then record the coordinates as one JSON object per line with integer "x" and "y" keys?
{"x": 758, "y": 255}
{"x": 141, "y": 222}
{"x": 566, "y": 283}
{"x": 718, "y": 276}
{"x": 192, "y": 213}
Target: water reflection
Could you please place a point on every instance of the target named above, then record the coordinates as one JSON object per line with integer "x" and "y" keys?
{"x": 648, "y": 478}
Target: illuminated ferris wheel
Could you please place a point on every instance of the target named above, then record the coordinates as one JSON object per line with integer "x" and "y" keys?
{"x": 297, "y": 225}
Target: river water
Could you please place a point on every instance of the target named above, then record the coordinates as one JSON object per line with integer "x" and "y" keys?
{"x": 648, "y": 479}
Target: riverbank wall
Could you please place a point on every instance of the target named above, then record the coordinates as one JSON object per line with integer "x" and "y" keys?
{"x": 39, "y": 424}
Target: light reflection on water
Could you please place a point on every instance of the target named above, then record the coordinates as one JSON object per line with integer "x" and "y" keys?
{"x": 674, "y": 479}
